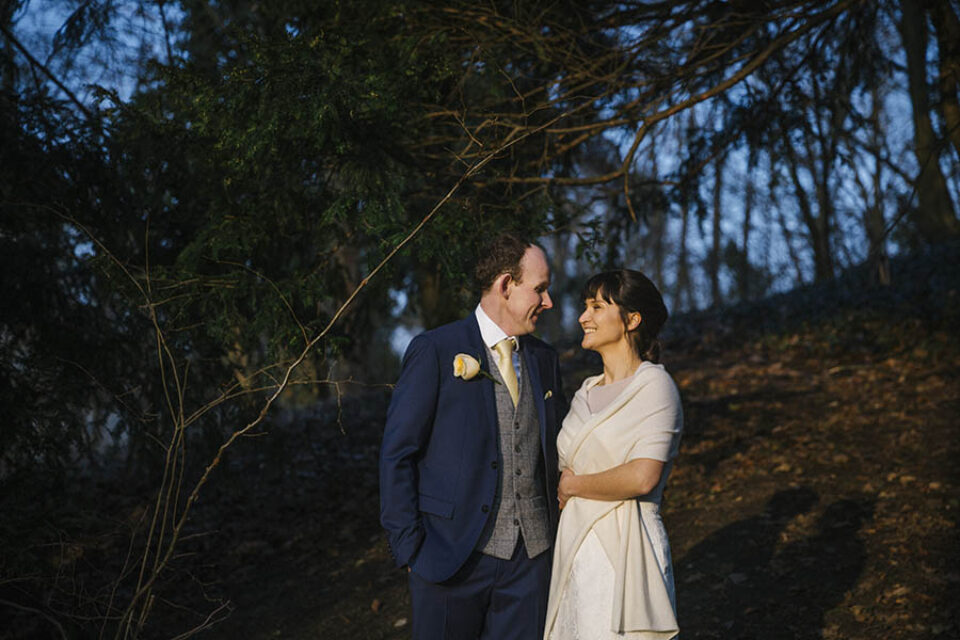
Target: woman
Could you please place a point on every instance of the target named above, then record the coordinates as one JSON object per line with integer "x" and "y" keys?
{"x": 612, "y": 576}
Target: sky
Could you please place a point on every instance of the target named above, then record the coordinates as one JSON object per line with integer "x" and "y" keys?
{"x": 136, "y": 32}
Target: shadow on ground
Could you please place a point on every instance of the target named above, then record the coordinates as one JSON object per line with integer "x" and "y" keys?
{"x": 750, "y": 579}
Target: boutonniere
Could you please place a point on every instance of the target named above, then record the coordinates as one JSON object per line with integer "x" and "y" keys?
{"x": 467, "y": 367}
{"x": 548, "y": 394}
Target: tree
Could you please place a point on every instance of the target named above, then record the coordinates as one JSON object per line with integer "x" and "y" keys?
{"x": 935, "y": 218}
{"x": 219, "y": 237}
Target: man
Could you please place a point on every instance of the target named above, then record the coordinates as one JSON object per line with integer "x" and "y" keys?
{"x": 468, "y": 466}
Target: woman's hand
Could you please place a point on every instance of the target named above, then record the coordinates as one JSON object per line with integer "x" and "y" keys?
{"x": 565, "y": 488}
{"x": 623, "y": 482}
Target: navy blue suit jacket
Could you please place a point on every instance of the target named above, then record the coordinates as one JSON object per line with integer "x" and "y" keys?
{"x": 440, "y": 455}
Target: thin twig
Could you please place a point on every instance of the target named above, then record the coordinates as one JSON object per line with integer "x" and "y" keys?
{"x": 43, "y": 69}
{"x": 165, "y": 546}
{"x": 46, "y": 616}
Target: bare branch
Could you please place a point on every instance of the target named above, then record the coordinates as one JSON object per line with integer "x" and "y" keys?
{"x": 45, "y": 71}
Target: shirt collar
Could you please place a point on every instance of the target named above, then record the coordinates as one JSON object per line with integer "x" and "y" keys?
{"x": 490, "y": 331}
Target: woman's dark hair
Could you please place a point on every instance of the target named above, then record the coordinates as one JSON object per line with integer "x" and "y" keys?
{"x": 502, "y": 255}
{"x": 633, "y": 292}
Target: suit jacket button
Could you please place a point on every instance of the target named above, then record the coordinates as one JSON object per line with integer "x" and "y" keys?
{"x": 485, "y": 508}
{"x": 493, "y": 465}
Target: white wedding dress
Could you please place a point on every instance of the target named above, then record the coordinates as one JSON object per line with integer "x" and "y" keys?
{"x": 584, "y": 610}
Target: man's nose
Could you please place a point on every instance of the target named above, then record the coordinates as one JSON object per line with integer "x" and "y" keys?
{"x": 546, "y": 303}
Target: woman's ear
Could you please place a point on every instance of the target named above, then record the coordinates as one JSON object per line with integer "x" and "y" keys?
{"x": 634, "y": 320}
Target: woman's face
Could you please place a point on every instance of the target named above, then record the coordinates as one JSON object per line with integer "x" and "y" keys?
{"x": 601, "y": 324}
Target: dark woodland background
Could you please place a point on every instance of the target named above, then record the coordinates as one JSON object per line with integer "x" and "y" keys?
{"x": 220, "y": 222}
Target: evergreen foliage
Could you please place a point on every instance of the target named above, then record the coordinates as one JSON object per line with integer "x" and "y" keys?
{"x": 169, "y": 249}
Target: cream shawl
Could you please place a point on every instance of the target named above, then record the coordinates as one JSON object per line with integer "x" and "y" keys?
{"x": 643, "y": 421}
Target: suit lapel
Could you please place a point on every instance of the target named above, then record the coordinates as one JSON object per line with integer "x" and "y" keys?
{"x": 536, "y": 385}
{"x": 488, "y": 399}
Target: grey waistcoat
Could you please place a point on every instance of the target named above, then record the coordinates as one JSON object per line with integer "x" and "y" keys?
{"x": 520, "y": 506}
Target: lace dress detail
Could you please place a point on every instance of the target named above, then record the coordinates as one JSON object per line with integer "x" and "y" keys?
{"x": 585, "y": 608}
{"x": 584, "y": 612}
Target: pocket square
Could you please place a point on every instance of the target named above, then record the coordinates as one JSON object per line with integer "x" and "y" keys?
{"x": 548, "y": 395}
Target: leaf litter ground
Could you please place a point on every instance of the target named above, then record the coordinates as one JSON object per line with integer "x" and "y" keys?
{"x": 815, "y": 495}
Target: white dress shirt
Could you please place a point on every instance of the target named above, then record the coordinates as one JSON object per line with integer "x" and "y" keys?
{"x": 491, "y": 334}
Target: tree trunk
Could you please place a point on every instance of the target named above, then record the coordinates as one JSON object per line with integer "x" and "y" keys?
{"x": 683, "y": 297}
{"x": 713, "y": 263}
{"x": 823, "y": 258}
{"x": 8, "y": 65}
{"x": 438, "y": 303}
{"x": 657, "y": 223}
{"x": 874, "y": 222}
{"x": 791, "y": 251}
{"x": 946, "y": 24}
{"x": 743, "y": 272}
{"x": 563, "y": 292}
{"x": 935, "y": 218}
{"x": 817, "y": 228}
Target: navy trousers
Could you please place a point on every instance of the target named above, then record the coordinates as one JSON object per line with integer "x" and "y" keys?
{"x": 487, "y": 598}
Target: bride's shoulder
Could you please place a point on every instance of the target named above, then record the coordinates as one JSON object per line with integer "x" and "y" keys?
{"x": 655, "y": 378}
{"x": 589, "y": 382}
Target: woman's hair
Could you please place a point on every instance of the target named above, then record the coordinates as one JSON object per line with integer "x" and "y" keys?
{"x": 633, "y": 292}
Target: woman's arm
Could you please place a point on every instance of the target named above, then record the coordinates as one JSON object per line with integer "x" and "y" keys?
{"x": 631, "y": 479}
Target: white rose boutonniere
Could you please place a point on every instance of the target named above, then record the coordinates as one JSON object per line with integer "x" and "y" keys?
{"x": 467, "y": 367}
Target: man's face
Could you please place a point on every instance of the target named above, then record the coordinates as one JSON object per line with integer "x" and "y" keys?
{"x": 528, "y": 297}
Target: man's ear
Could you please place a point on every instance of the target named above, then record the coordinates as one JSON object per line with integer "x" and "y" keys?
{"x": 502, "y": 284}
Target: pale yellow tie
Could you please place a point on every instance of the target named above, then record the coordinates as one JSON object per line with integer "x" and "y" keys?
{"x": 504, "y": 350}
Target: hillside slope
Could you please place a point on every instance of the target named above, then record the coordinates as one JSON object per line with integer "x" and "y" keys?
{"x": 815, "y": 496}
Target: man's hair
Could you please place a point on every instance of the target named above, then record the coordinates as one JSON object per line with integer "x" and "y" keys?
{"x": 502, "y": 255}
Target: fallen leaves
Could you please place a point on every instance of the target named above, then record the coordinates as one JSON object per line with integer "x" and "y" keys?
{"x": 878, "y": 431}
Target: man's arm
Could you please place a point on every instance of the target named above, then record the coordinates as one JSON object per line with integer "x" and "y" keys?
{"x": 409, "y": 423}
